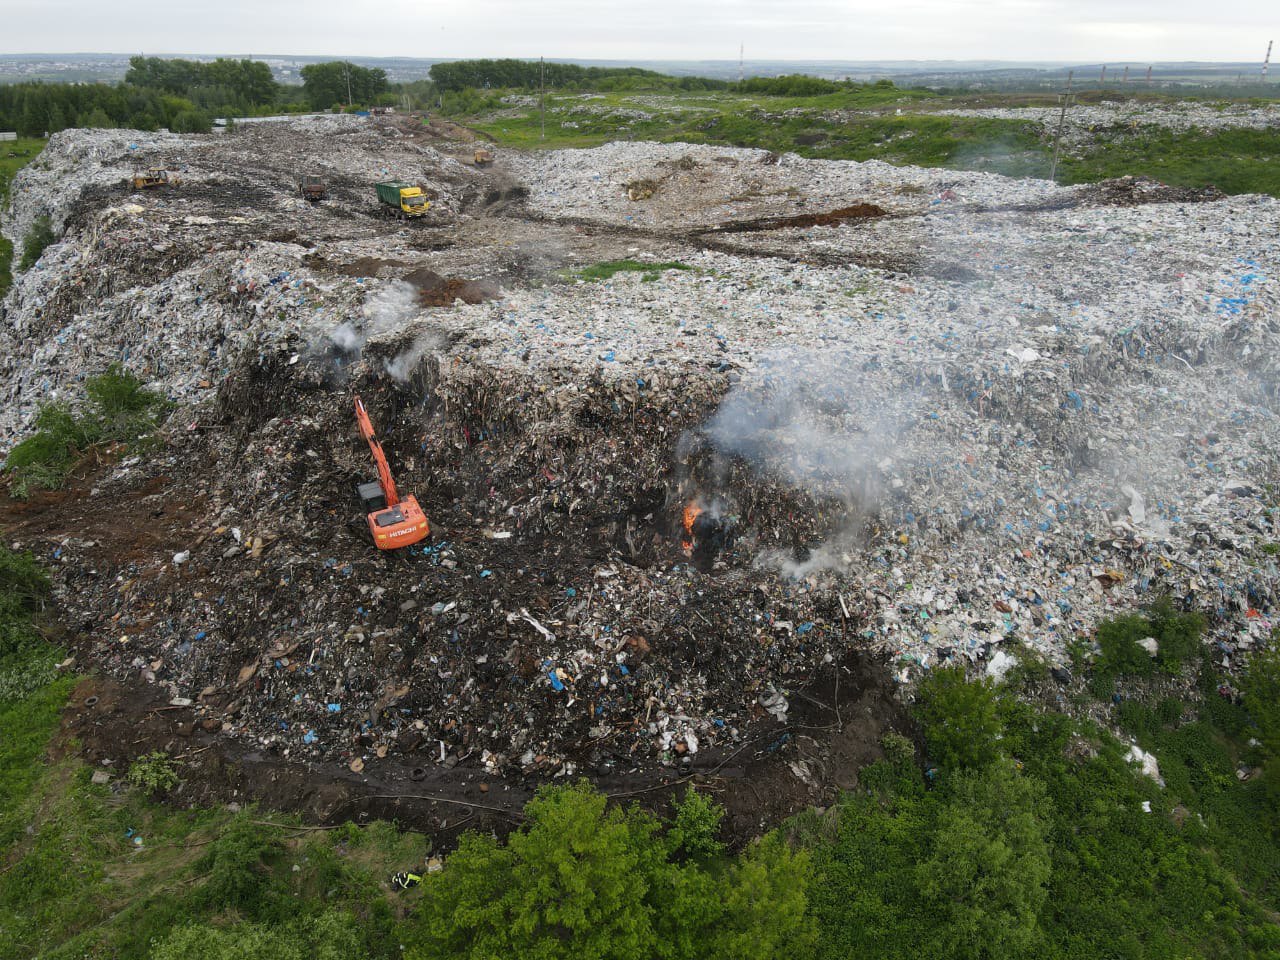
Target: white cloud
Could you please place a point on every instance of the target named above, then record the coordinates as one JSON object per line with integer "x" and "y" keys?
{"x": 1086, "y": 30}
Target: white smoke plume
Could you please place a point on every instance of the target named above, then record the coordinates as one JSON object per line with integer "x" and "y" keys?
{"x": 401, "y": 367}
{"x": 346, "y": 337}
{"x": 833, "y": 555}
{"x": 824, "y": 423}
{"x": 385, "y": 310}
{"x": 815, "y": 420}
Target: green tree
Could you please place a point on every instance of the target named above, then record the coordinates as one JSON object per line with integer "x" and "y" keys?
{"x": 585, "y": 882}
{"x": 961, "y": 725}
{"x": 97, "y": 119}
{"x": 764, "y": 913}
{"x": 38, "y": 238}
{"x": 339, "y": 81}
{"x": 30, "y": 123}
{"x": 990, "y": 864}
{"x": 572, "y": 883}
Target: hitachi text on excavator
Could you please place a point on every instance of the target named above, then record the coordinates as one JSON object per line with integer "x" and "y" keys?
{"x": 393, "y": 522}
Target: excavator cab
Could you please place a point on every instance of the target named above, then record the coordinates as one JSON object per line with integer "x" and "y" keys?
{"x": 393, "y": 522}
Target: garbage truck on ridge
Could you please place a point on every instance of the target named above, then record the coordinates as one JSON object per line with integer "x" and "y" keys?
{"x": 401, "y": 199}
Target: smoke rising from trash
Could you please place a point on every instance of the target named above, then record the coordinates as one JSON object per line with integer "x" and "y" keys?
{"x": 386, "y": 310}
{"x": 812, "y": 420}
{"x": 403, "y": 365}
{"x": 817, "y": 422}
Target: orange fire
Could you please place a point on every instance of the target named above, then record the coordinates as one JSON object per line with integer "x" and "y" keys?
{"x": 691, "y": 513}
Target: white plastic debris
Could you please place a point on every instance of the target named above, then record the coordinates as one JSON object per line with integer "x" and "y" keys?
{"x": 1147, "y": 761}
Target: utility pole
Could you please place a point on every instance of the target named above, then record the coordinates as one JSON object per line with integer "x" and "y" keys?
{"x": 741, "y": 49}
{"x": 347, "y": 69}
{"x": 1102, "y": 81}
{"x": 1148, "y": 76}
{"x": 542, "y": 94}
{"x": 1062, "y": 120}
{"x": 1266, "y": 61}
{"x": 1125, "y": 78}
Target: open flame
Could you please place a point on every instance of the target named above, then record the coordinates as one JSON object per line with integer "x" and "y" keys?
{"x": 691, "y": 513}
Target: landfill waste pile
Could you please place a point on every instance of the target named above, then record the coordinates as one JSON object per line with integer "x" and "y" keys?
{"x": 1088, "y": 123}
{"x": 816, "y": 410}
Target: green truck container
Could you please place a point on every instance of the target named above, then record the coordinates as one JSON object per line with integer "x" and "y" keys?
{"x": 402, "y": 199}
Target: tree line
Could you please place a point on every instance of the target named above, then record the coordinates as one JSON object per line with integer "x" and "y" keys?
{"x": 531, "y": 74}
{"x": 185, "y": 95}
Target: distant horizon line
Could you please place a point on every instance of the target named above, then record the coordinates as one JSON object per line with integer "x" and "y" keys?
{"x": 632, "y": 60}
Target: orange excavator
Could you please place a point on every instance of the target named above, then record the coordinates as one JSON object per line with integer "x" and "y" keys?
{"x": 393, "y": 522}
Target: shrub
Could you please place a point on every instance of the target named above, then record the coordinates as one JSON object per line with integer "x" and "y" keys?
{"x": 235, "y": 870}
{"x": 1169, "y": 710}
{"x": 1260, "y": 687}
{"x": 119, "y": 407}
{"x": 1177, "y": 636}
{"x": 1118, "y": 639}
{"x": 22, "y": 579}
{"x": 333, "y": 935}
{"x": 23, "y": 589}
{"x": 1177, "y": 633}
{"x": 153, "y": 773}
{"x": 791, "y": 85}
{"x": 694, "y": 834}
{"x": 38, "y": 238}
{"x": 961, "y": 727}
{"x": 191, "y": 121}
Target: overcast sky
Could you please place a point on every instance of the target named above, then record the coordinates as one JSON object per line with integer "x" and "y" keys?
{"x": 1075, "y": 30}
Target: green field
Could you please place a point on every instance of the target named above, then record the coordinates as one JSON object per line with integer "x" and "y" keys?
{"x": 14, "y": 155}
{"x": 881, "y": 123}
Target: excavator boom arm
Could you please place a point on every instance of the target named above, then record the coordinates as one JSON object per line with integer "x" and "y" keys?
{"x": 379, "y": 458}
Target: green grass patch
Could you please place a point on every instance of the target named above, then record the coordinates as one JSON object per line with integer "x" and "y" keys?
{"x": 14, "y": 156}
{"x": 1235, "y": 161}
{"x": 37, "y": 240}
{"x": 6, "y": 266}
{"x": 809, "y": 126}
{"x": 118, "y": 408}
{"x": 607, "y": 270}
{"x": 861, "y": 123}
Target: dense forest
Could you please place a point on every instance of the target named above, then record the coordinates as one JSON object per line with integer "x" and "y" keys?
{"x": 531, "y": 74}
{"x": 185, "y": 96}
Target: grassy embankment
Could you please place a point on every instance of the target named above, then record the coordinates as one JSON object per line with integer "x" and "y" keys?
{"x": 864, "y": 124}
{"x": 1030, "y": 834}
{"x": 14, "y": 155}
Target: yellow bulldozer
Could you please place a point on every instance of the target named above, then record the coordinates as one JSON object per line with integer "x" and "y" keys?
{"x": 150, "y": 179}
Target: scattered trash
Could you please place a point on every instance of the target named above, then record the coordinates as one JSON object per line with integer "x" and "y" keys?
{"x": 938, "y": 432}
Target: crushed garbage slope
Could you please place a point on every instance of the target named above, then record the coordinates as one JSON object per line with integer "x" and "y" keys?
{"x": 914, "y": 413}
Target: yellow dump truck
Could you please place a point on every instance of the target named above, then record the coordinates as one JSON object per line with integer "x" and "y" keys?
{"x": 482, "y": 157}
{"x": 402, "y": 200}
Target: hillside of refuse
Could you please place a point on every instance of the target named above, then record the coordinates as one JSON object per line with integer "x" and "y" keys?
{"x": 823, "y": 426}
